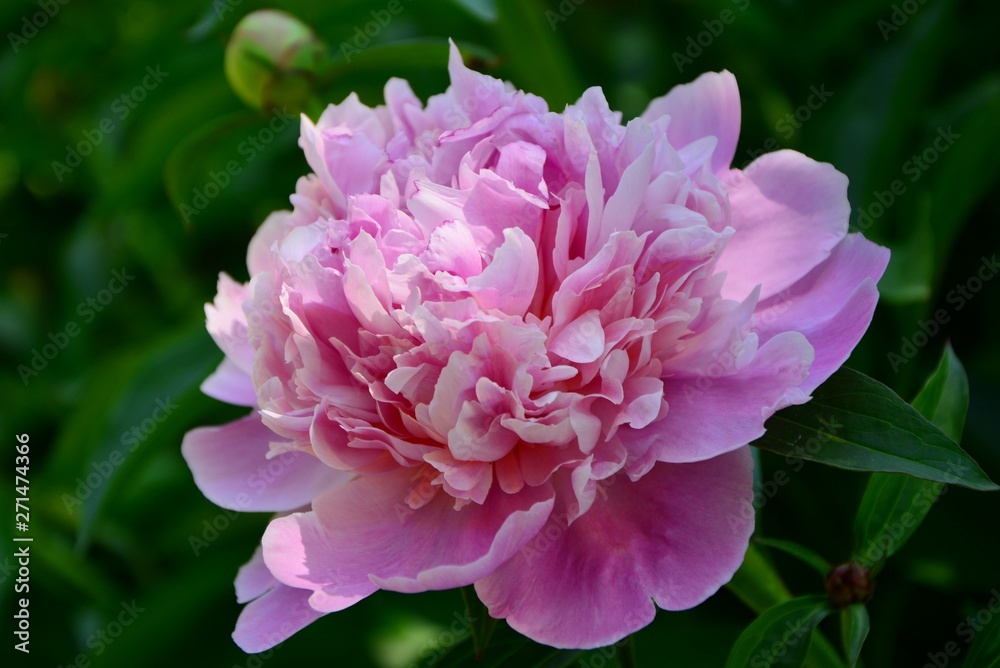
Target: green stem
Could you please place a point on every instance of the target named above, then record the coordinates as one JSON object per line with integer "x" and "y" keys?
{"x": 481, "y": 625}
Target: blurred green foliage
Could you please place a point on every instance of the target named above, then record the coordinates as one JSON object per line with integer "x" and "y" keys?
{"x": 131, "y": 100}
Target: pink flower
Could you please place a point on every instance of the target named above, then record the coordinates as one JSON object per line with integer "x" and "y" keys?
{"x": 499, "y": 345}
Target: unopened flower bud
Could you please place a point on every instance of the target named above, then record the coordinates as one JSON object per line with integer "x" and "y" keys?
{"x": 848, "y": 584}
{"x": 273, "y": 59}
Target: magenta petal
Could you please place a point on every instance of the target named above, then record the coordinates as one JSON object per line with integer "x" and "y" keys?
{"x": 231, "y": 468}
{"x": 227, "y": 323}
{"x": 365, "y": 532}
{"x": 673, "y": 538}
{"x": 833, "y": 305}
{"x": 789, "y": 212}
{"x": 709, "y": 106}
{"x": 253, "y": 579}
{"x": 231, "y": 384}
{"x": 273, "y": 618}
{"x": 708, "y": 416}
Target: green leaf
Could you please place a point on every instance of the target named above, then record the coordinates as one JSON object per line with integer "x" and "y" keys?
{"x": 760, "y": 587}
{"x": 894, "y": 505}
{"x": 965, "y": 173}
{"x": 855, "y": 422}
{"x": 168, "y": 376}
{"x": 985, "y": 650}
{"x": 757, "y": 584}
{"x": 485, "y": 10}
{"x": 854, "y": 625}
{"x": 800, "y": 552}
{"x": 780, "y": 637}
{"x": 539, "y": 60}
{"x": 944, "y": 399}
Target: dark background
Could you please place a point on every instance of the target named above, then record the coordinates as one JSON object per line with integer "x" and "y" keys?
{"x": 892, "y": 86}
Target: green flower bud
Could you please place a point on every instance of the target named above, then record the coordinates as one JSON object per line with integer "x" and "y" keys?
{"x": 273, "y": 60}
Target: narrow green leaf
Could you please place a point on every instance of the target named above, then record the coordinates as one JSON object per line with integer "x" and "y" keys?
{"x": 855, "y": 422}
{"x": 944, "y": 399}
{"x": 760, "y": 587}
{"x": 894, "y": 505}
{"x": 539, "y": 59}
{"x": 780, "y": 637}
{"x": 485, "y": 10}
{"x": 854, "y": 624}
{"x": 800, "y": 552}
{"x": 985, "y": 650}
{"x": 757, "y": 584}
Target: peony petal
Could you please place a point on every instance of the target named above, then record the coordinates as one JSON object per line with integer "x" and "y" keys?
{"x": 708, "y": 416}
{"x": 672, "y": 538}
{"x": 253, "y": 579}
{"x": 509, "y": 282}
{"x": 365, "y": 532}
{"x": 789, "y": 212}
{"x": 709, "y": 106}
{"x": 231, "y": 467}
{"x": 833, "y": 305}
{"x": 273, "y": 618}
{"x": 227, "y": 323}
{"x": 231, "y": 384}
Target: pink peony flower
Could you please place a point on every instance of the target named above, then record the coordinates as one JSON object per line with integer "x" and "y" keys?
{"x": 497, "y": 345}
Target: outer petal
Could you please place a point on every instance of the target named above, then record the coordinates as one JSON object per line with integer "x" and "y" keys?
{"x": 365, "y": 532}
{"x": 231, "y": 468}
{"x": 789, "y": 212}
{"x": 227, "y": 323}
{"x": 231, "y": 384}
{"x": 675, "y": 537}
{"x": 709, "y": 106}
{"x": 273, "y": 618}
{"x": 711, "y": 415}
{"x": 833, "y": 305}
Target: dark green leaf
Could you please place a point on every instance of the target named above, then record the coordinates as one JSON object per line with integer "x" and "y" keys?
{"x": 539, "y": 59}
{"x": 854, "y": 624}
{"x": 985, "y": 650}
{"x": 944, "y": 399}
{"x": 894, "y": 505}
{"x": 855, "y": 422}
{"x": 780, "y": 637}
{"x": 760, "y": 587}
{"x": 800, "y": 552}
